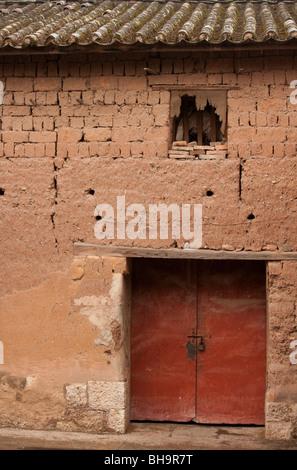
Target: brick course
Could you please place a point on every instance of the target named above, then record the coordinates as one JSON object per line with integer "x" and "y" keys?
{"x": 95, "y": 89}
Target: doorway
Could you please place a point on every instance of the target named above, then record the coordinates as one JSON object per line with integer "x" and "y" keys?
{"x": 198, "y": 341}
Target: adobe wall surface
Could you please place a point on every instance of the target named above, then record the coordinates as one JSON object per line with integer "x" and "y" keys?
{"x": 78, "y": 131}
{"x": 281, "y": 400}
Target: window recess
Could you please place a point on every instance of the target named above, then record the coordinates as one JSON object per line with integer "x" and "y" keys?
{"x": 199, "y": 125}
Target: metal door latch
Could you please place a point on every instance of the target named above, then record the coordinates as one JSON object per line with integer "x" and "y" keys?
{"x": 201, "y": 344}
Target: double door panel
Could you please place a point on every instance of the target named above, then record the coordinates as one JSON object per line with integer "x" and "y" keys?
{"x": 198, "y": 341}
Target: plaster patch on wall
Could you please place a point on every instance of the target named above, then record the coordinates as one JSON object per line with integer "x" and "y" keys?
{"x": 104, "y": 312}
{"x": 96, "y": 308}
{"x": 31, "y": 380}
{"x": 116, "y": 294}
{"x": 1, "y": 92}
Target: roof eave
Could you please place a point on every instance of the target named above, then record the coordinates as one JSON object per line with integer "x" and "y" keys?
{"x": 182, "y": 46}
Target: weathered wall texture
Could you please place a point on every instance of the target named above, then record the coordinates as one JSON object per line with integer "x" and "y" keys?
{"x": 78, "y": 131}
{"x": 281, "y": 403}
{"x": 66, "y": 361}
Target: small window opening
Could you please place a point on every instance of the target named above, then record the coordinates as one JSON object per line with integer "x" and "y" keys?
{"x": 200, "y": 126}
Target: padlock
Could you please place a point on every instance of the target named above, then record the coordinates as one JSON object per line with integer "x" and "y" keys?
{"x": 201, "y": 345}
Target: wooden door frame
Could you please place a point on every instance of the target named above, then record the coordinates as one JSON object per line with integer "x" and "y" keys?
{"x": 197, "y": 313}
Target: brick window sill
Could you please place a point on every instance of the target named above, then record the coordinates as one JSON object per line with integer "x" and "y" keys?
{"x": 181, "y": 150}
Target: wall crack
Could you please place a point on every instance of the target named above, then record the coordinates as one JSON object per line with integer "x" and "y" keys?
{"x": 53, "y": 214}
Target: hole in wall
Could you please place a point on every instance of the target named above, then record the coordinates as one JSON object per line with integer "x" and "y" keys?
{"x": 251, "y": 216}
{"x": 90, "y": 191}
{"x": 98, "y": 217}
{"x": 2, "y": 191}
{"x": 209, "y": 193}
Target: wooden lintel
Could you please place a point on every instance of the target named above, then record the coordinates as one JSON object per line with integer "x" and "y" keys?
{"x": 85, "y": 249}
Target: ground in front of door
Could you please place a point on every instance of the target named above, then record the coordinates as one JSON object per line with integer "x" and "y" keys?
{"x": 148, "y": 436}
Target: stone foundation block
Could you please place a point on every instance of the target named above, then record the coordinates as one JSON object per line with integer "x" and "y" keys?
{"x": 107, "y": 395}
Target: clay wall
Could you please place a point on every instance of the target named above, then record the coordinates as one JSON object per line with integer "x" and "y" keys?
{"x": 81, "y": 130}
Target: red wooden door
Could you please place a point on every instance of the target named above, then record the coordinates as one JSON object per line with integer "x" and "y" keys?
{"x": 163, "y": 312}
{"x": 173, "y": 302}
{"x": 231, "y": 372}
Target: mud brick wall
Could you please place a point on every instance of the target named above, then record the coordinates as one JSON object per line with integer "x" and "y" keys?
{"x": 281, "y": 400}
{"x": 86, "y": 115}
{"x": 80, "y": 130}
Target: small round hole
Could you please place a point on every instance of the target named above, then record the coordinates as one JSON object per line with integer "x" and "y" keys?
{"x": 90, "y": 191}
{"x": 251, "y": 216}
{"x": 209, "y": 193}
{"x": 2, "y": 191}
{"x": 98, "y": 217}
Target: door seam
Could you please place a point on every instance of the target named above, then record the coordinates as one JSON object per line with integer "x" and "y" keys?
{"x": 196, "y": 328}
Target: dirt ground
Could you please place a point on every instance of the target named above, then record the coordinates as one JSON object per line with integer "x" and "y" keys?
{"x": 147, "y": 436}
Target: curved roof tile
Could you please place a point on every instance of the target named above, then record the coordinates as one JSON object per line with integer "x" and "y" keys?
{"x": 105, "y": 22}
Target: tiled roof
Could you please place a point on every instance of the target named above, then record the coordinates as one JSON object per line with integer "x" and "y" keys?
{"x": 64, "y": 23}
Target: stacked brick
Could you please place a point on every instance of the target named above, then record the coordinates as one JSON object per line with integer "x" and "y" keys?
{"x": 97, "y": 115}
{"x": 182, "y": 150}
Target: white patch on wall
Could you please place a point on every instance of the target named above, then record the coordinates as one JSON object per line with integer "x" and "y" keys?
{"x": 1, "y": 92}
{"x": 293, "y": 94}
{"x": 116, "y": 295}
{"x": 31, "y": 380}
{"x": 293, "y": 355}
{"x": 102, "y": 311}
{"x": 97, "y": 309}
{"x": 1, "y": 353}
